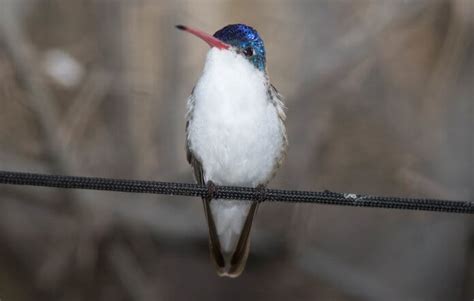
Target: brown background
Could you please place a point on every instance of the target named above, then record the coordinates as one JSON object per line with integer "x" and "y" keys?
{"x": 380, "y": 101}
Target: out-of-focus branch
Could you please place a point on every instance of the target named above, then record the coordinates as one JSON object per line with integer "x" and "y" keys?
{"x": 452, "y": 56}
{"x": 40, "y": 98}
{"x": 83, "y": 107}
{"x": 43, "y": 104}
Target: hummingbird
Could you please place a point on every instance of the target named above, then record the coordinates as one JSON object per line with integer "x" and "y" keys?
{"x": 235, "y": 136}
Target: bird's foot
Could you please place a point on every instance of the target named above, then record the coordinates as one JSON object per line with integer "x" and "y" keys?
{"x": 260, "y": 194}
{"x": 211, "y": 190}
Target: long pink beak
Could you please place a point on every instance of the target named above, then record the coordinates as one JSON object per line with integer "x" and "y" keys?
{"x": 212, "y": 41}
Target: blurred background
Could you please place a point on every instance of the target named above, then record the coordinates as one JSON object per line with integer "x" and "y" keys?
{"x": 380, "y": 101}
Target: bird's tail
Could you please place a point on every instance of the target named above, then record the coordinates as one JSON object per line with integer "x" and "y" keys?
{"x": 229, "y": 224}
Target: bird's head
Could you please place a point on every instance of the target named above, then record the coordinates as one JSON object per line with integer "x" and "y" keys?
{"x": 240, "y": 38}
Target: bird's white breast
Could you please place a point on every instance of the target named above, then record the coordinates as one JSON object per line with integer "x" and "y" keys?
{"x": 235, "y": 130}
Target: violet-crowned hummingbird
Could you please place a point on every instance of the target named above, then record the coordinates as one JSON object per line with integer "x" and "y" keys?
{"x": 235, "y": 135}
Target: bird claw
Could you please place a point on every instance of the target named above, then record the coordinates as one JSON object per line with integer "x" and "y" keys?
{"x": 211, "y": 190}
{"x": 260, "y": 194}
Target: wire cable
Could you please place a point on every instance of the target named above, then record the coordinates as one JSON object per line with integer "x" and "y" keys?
{"x": 236, "y": 193}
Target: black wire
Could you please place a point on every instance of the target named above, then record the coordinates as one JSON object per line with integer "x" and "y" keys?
{"x": 235, "y": 193}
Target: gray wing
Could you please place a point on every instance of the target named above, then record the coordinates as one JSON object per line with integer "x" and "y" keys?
{"x": 277, "y": 100}
{"x": 190, "y": 156}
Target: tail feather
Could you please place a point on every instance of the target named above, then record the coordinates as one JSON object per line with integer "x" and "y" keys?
{"x": 229, "y": 224}
{"x": 215, "y": 249}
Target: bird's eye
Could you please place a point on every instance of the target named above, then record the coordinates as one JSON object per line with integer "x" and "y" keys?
{"x": 248, "y": 51}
